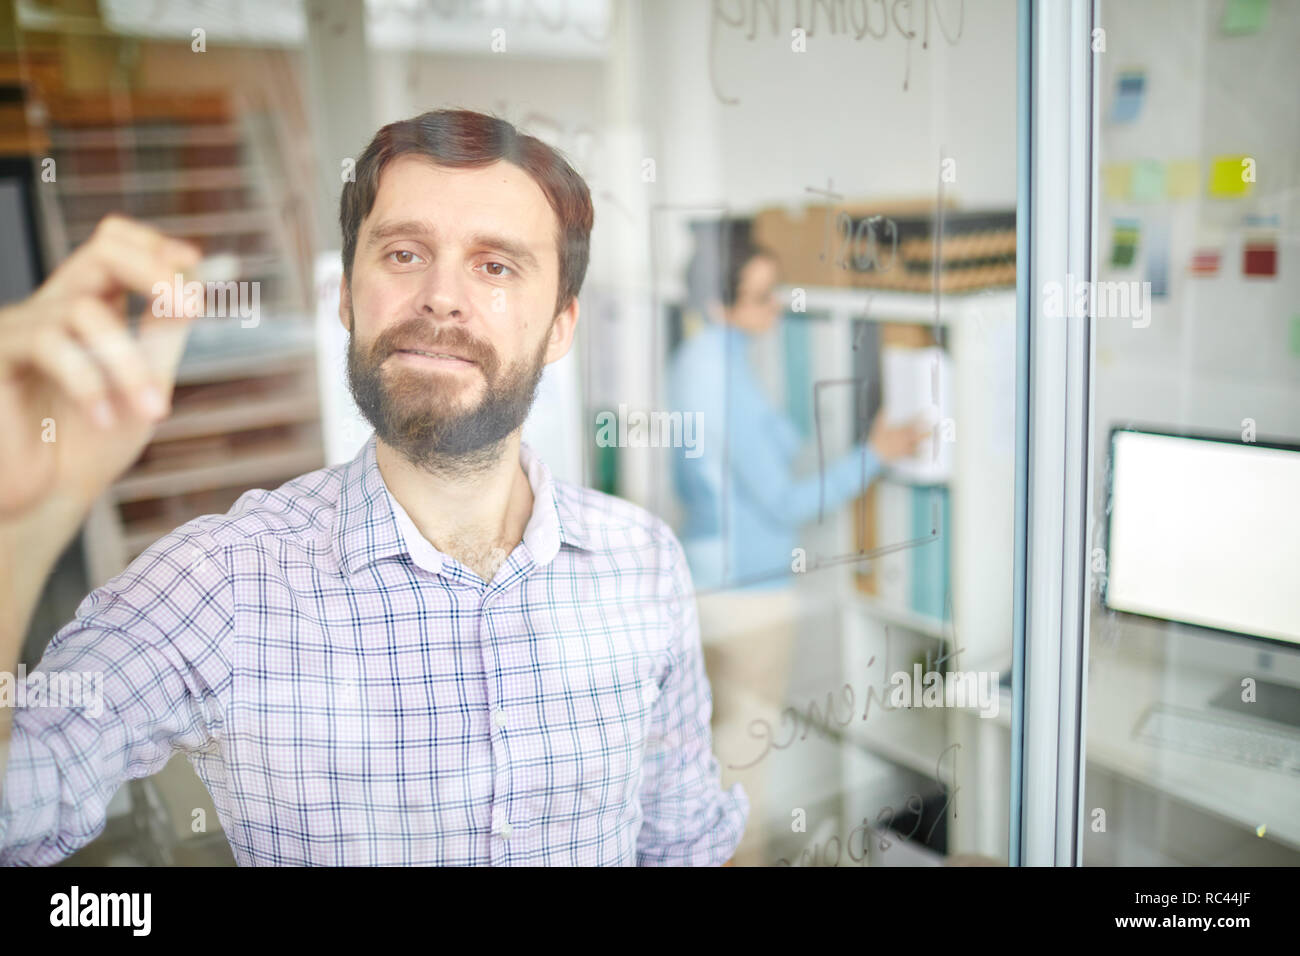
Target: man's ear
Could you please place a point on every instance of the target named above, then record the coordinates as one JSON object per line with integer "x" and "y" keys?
{"x": 560, "y": 337}
{"x": 345, "y": 304}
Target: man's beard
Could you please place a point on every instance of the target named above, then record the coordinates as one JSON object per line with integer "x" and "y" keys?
{"x": 412, "y": 412}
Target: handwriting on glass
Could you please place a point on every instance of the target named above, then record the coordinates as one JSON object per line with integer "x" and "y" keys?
{"x": 760, "y": 729}
{"x": 857, "y": 18}
{"x": 823, "y": 851}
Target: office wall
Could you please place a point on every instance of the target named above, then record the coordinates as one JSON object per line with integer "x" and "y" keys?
{"x": 1218, "y": 349}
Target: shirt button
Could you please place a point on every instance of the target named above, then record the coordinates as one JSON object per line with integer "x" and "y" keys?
{"x": 506, "y": 830}
{"x": 499, "y": 717}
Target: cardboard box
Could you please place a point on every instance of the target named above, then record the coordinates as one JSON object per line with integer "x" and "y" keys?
{"x": 817, "y": 246}
{"x": 889, "y": 245}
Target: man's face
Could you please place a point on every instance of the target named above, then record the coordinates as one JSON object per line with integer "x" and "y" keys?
{"x": 459, "y": 263}
{"x": 757, "y": 307}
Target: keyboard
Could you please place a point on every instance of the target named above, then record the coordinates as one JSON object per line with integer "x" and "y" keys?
{"x": 1214, "y": 735}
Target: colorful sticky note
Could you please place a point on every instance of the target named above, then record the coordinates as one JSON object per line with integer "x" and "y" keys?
{"x": 1258, "y": 221}
{"x": 1123, "y": 248}
{"x": 1244, "y": 16}
{"x": 1116, "y": 179}
{"x": 1259, "y": 258}
{"x": 1181, "y": 178}
{"x": 1205, "y": 262}
{"x": 1130, "y": 86}
{"x": 1231, "y": 176}
{"x": 1148, "y": 180}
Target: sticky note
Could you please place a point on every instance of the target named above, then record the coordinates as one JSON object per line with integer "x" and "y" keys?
{"x": 1130, "y": 86}
{"x": 1181, "y": 178}
{"x": 1259, "y": 258}
{"x": 1148, "y": 180}
{"x": 1229, "y": 176}
{"x": 1205, "y": 262}
{"x": 1244, "y": 16}
{"x": 1123, "y": 249}
{"x": 1267, "y": 224}
{"x": 1116, "y": 179}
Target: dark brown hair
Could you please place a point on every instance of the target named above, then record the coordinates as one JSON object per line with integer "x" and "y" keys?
{"x": 463, "y": 139}
{"x": 723, "y": 247}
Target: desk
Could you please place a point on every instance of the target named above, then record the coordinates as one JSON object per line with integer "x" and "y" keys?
{"x": 1120, "y": 689}
{"x": 1122, "y": 684}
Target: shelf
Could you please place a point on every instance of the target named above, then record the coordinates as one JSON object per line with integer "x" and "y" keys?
{"x": 889, "y": 473}
{"x": 260, "y": 265}
{"x": 884, "y": 305}
{"x": 139, "y": 535}
{"x": 177, "y": 180}
{"x": 216, "y": 134}
{"x": 892, "y": 613}
{"x": 912, "y": 738}
{"x": 249, "y": 469}
{"x": 220, "y": 417}
{"x": 198, "y": 368}
{"x": 240, "y": 222}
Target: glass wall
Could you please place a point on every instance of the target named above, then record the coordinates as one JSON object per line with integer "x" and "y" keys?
{"x": 1193, "y": 712}
{"x": 796, "y": 345}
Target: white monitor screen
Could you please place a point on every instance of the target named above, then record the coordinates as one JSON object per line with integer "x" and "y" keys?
{"x": 1206, "y": 532}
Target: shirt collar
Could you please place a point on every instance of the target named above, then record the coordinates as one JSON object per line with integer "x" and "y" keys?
{"x": 371, "y": 525}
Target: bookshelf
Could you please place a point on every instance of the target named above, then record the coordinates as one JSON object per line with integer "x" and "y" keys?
{"x": 238, "y": 422}
{"x": 206, "y": 167}
{"x": 977, "y": 330}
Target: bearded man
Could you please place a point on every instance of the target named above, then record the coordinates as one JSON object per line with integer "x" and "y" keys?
{"x": 432, "y": 654}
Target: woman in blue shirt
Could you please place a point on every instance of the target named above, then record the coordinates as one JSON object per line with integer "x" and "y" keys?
{"x": 741, "y": 558}
{"x": 745, "y": 462}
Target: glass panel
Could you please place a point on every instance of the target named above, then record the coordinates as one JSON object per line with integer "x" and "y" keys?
{"x": 796, "y": 345}
{"x": 1193, "y": 712}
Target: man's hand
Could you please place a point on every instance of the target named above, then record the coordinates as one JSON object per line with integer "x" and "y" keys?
{"x": 895, "y": 442}
{"x": 79, "y": 396}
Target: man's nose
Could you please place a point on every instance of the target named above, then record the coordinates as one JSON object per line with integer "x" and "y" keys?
{"x": 444, "y": 293}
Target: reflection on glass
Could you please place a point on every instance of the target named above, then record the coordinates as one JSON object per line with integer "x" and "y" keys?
{"x": 1193, "y": 719}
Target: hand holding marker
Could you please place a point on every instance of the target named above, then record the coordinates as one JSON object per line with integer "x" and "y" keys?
{"x": 78, "y": 392}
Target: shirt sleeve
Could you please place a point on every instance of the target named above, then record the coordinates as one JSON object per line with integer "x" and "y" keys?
{"x": 146, "y": 652}
{"x": 760, "y": 468}
{"x": 687, "y": 818}
{"x": 759, "y": 443}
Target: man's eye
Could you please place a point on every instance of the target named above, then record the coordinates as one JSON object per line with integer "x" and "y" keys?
{"x": 403, "y": 252}
{"x": 499, "y": 265}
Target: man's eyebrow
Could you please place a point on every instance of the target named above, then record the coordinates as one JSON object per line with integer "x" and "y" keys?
{"x": 398, "y": 227}
{"x": 416, "y": 227}
{"x": 511, "y": 247}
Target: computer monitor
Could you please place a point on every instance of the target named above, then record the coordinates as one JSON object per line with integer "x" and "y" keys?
{"x": 1204, "y": 530}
